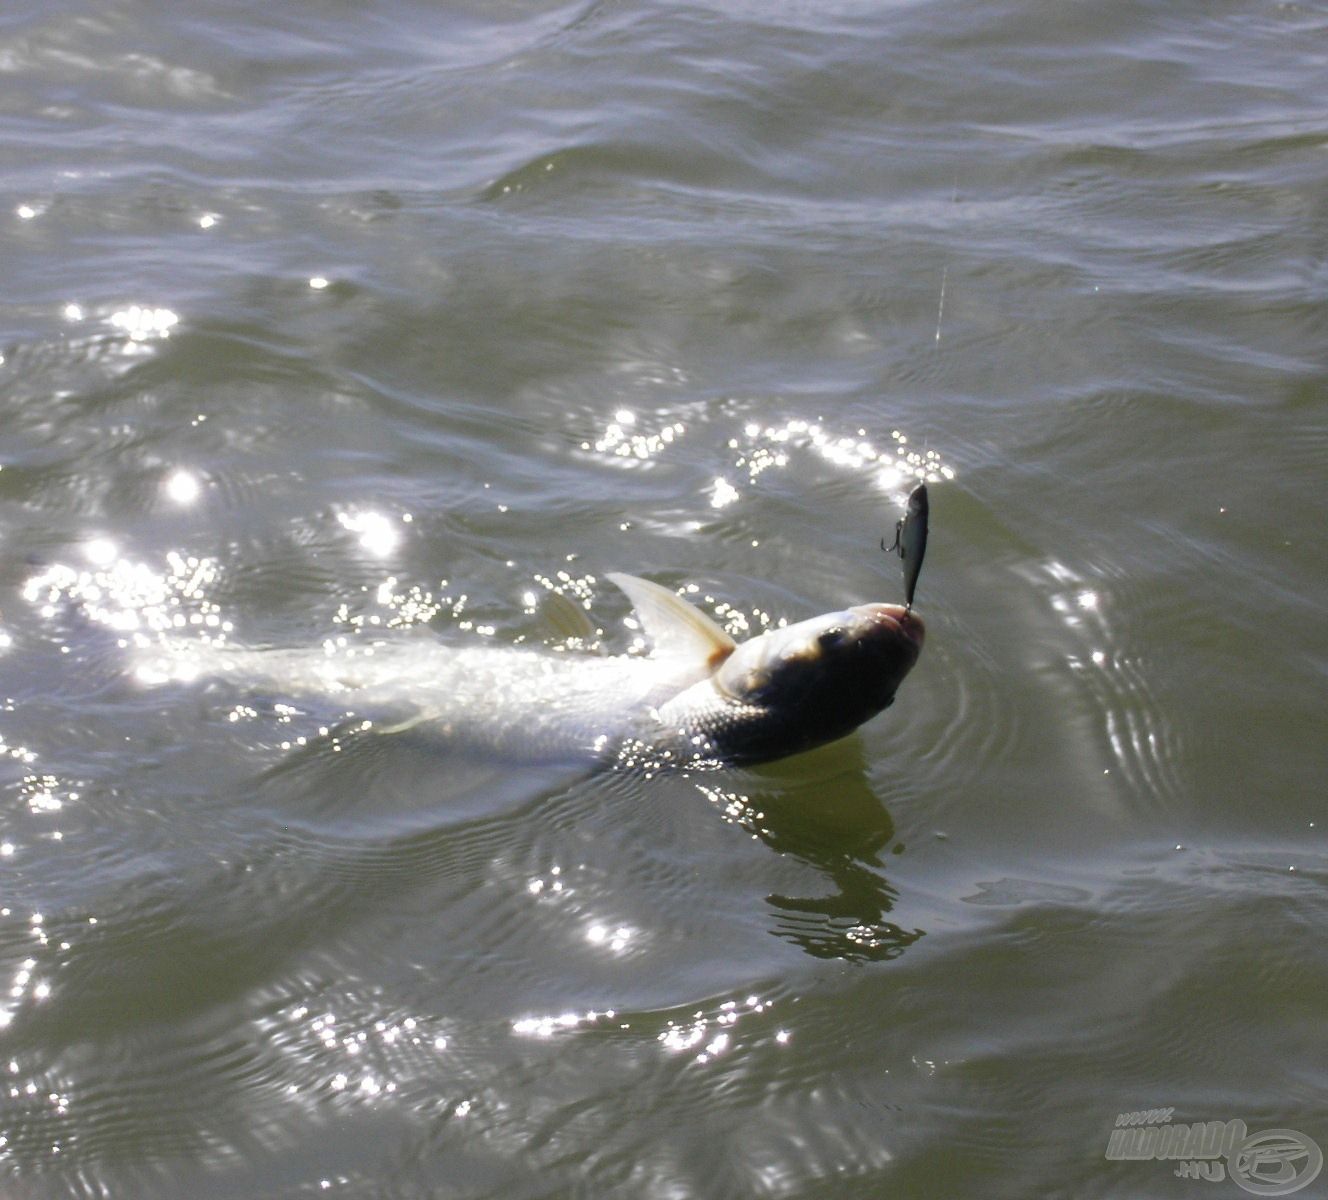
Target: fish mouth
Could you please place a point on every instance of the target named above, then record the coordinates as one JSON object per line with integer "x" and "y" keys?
{"x": 898, "y": 619}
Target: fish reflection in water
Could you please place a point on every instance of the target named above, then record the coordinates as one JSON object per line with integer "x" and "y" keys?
{"x": 845, "y": 845}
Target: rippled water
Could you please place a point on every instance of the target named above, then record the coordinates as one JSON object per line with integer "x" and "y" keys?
{"x": 320, "y": 322}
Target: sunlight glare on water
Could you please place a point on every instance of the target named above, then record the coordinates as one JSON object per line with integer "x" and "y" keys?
{"x": 756, "y": 448}
{"x": 375, "y": 532}
{"x": 132, "y": 597}
{"x": 183, "y": 487}
{"x": 143, "y": 324}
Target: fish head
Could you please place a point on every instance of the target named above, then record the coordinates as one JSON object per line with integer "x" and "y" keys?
{"x": 818, "y": 680}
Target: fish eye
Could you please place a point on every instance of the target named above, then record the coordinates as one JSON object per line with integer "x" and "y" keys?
{"x": 830, "y": 638}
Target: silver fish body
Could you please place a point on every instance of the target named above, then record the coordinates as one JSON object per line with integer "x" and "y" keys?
{"x": 696, "y": 697}
{"x": 799, "y": 687}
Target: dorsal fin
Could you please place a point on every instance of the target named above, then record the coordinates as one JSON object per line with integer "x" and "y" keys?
{"x": 673, "y": 625}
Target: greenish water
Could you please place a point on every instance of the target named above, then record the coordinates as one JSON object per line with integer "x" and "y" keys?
{"x": 320, "y": 319}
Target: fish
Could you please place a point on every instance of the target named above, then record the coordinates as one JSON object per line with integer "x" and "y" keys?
{"x": 911, "y": 541}
{"x": 697, "y": 698}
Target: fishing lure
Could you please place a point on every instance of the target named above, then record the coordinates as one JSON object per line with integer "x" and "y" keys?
{"x": 911, "y": 540}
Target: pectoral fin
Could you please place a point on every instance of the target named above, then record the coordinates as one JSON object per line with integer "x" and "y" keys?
{"x": 568, "y": 621}
{"x": 673, "y": 625}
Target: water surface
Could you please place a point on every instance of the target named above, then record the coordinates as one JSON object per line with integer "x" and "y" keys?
{"x": 320, "y": 322}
